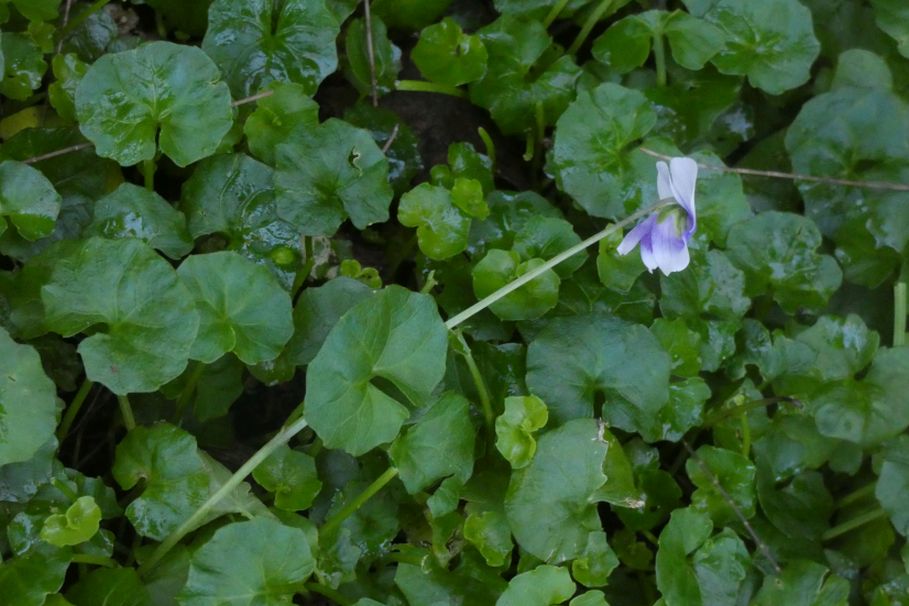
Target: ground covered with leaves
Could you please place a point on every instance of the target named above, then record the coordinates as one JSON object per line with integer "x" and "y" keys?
{"x": 261, "y": 339}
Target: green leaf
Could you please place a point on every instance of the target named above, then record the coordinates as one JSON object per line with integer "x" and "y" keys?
{"x": 892, "y": 486}
{"x": 258, "y": 42}
{"x": 524, "y": 71}
{"x": 442, "y": 228}
{"x": 28, "y": 200}
{"x": 590, "y": 598}
{"x": 177, "y": 478}
{"x": 77, "y": 525}
{"x": 777, "y": 252}
{"x": 259, "y": 562}
{"x": 675, "y": 576}
{"x": 28, "y": 402}
{"x": 523, "y": 416}
{"x": 803, "y": 583}
{"x": 430, "y": 584}
{"x": 734, "y": 473}
{"x": 396, "y": 139}
{"x": 328, "y": 174}
{"x": 276, "y": 116}
{"x": 232, "y": 196}
{"x": 364, "y": 65}
{"x": 31, "y": 577}
{"x": 589, "y": 152}
{"x": 110, "y": 587}
{"x": 892, "y": 16}
{"x": 500, "y": 267}
{"x": 242, "y": 308}
{"x": 37, "y": 10}
{"x": 575, "y": 359}
{"x": 692, "y": 41}
{"x": 542, "y": 586}
{"x": 771, "y": 42}
{"x": 489, "y": 532}
{"x": 186, "y": 17}
{"x": 439, "y": 444}
{"x": 682, "y": 344}
{"x": 410, "y": 14}
{"x": 800, "y": 508}
{"x": 551, "y": 503}
{"x": 173, "y": 88}
{"x": 23, "y": 65}
{"x": 626, "y": 44}
{"x": 135, "y": 212}
{"x": 291, "y": 475}
{"x": 384, "y": 356}
{"x": 68, "y": 70}
{"x": 546, "y": 237}
{"x": 317, "y": 311}
{"x": 866, "y": 411}
{"x": 147, "y": 315}
{"x": 445, "y": 54}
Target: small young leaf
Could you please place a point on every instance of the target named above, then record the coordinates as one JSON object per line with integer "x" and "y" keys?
{"x": 77, "y": 525}
{"x": 276, "y": 116}
{"x": 530, "y": 301}
{"x": 291, "y": 475}
{"x": 442, "y": 228}
{"x": 523, "y": 416}
{"x": 445, "y": 54}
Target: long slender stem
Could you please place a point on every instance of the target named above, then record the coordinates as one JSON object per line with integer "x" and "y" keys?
{"x": 489, "y": 144}
{"x": 853, "y": 523}
{"x": 554, "y": 13}
{"x": 148, "y": 171}
{"x": 73, "y": 409}
{"x": 520, "y": 281}
{"x": 253, "y": 98}
{"x": 479, "y": 382}
{"x": 351, "y": 508}
{"x": 81, "y": 18}
{"x": 899, "y": 313}
{"x": 421, "y": 86}
{"x": 659, "y": 56}
{"x": 85, "y": 558}
{"x": 126, "y": 410}
{"x": 371, "y": 55}
{"x": 856, "y": 495}
{"x": 589, "y": 23}
{"x": 193, "y": 521}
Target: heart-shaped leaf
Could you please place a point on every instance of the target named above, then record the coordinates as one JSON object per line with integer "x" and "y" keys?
{"x": 257, "y": 42}
{"x": 242, "y": 308}
{"x": 382, "y": 358}
{"x": 28, "y": 200}
{"x": 147, "y": 317}
{"x": 174, "y": 89}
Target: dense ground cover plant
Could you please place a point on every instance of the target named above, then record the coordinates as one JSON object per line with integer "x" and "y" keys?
{"x": 337, "y": 302}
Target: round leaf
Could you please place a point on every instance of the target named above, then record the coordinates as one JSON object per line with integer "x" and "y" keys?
{"x": 327, "y": 174}
{"x": 260, "y": 562}
{"x": 542, "y": 586}
{"x": 385, "y": 355}
{"x": 442, "y": 229}
{"x": 28, "y": 402}
{"x": 172, "y": 88}
{"x": 77, "y": 525}
{"x": 445, "y": 54}
{"x": 276, "y": 116}
{"x": 257, "y": 42}
{"x": 515, "y": 427}
{"x": 242, "y": 308}
{"x": 530, "y": 301}
{"x": 147, "y": 315}
{"x": 28, "y": 200}
{"x": 291, "y": 475}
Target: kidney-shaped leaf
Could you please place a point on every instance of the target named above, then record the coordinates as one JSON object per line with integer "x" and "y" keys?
{"x": 327, "y": 174}
{"x": 242, "y": 308}
{"x": 146, "y": 316}
{"x": 28, "y": 200}
{"x": 389, "y": 348}
{"x": 260, "y": 562}
{"x": 256, "y": 42}
{"x": 542, "y": 586}
{"x": 28, "y": 406}
{"x": 172, "y": 87}
{"x": 551, "y": 503}
{"x": 575, "y": 357}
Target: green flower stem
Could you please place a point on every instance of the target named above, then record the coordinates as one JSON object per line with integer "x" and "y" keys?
{"x": 351, "y": 508}
{"x": 85, "y": 558}
{"x": 332, "y": 594}
{"x": 73, "y": 409}
{"x": 856, "y": 495}
{"x": 479, "y": 382}
{"x": 659, "y": 56}
{"x": 853, "y": 523}
{"x": 193, "y": 521}
{"x": 520, "y": 281}
{"x": 81, "y": 18}
{"x": 589, "y": 24}
{"x": 746, "y": 435}
{"x": 554, "y": 13}
{"x": 129, "y": 421}
{"x": 421, "y": 86}
{"x": 489, "y": 144}
{"x": 899, "y": 313}
{"x": 148, "y": 171}
{"x": 190, "y": 388}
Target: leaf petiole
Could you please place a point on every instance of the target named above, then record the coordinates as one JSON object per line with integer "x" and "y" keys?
{"x": 899, "y": 312}
{"x": 351, "y": 508}
{"x": 73, "y": 409}
{"x": 853, "y": 523}
{"x": 421, "y": 86}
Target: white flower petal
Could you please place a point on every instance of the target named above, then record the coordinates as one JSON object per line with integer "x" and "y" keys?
{"x": 664, "y": 181}
{"x": 670, "y": 250}
{"x": 683, "y": 180}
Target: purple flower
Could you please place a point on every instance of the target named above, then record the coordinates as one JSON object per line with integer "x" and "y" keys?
{"x": 664, "y": 235}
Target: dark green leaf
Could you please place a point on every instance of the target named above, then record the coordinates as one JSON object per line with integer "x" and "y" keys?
{"x": 23, "y": 64}
{"x": 291, "y": 476}
{"x": 363, "y": 65}
{"x": 442, "y": 228}
{"x": 542, "y": 586}
{"x": 68, "y": 70}
{"x": 276, "y": 116}
{"x": 30, "y": 577}
{"x": 28, "y": 200}
{"x": 110, "y": 587}
{"x": 445, "y": 54}
{"x": 173, "y": 89}
{"x": 734, "y": 473}
{"x": 892, "y": 16}
{"x": 257, "y": 42}
{"x": 803, "y": 583}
